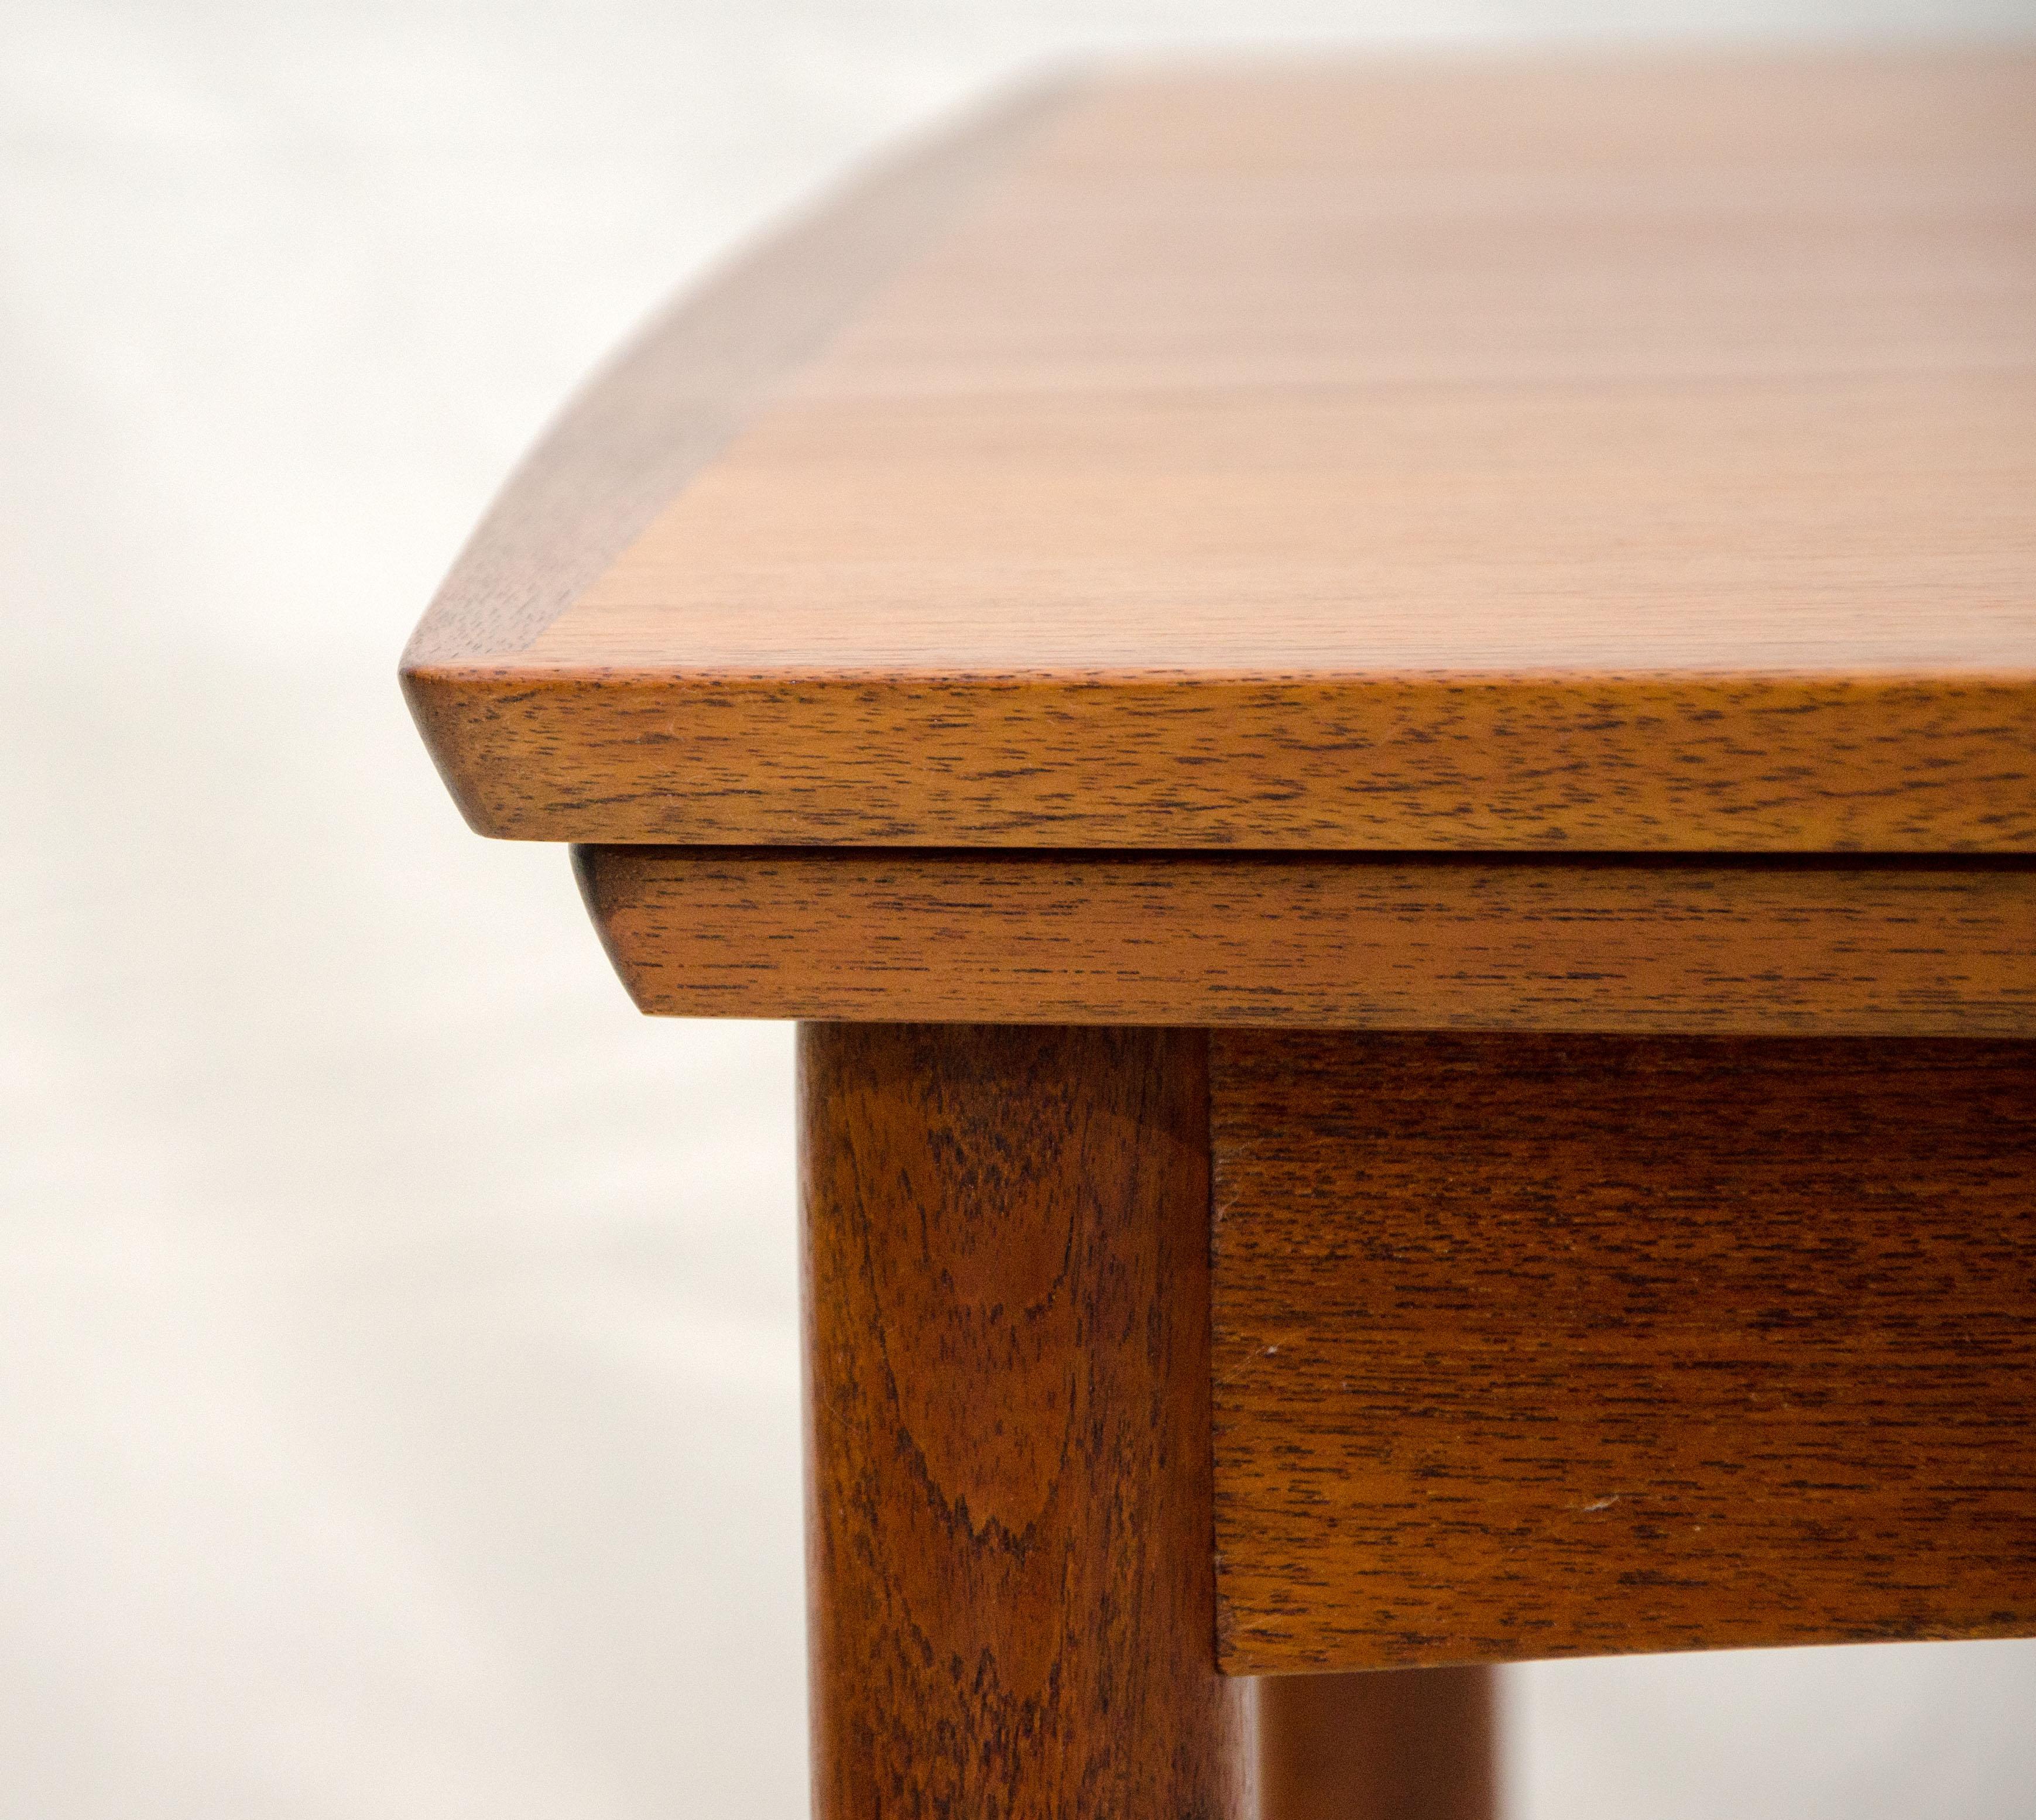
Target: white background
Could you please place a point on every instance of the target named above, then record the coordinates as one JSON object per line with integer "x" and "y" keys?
{"x": 398, "y": 1368}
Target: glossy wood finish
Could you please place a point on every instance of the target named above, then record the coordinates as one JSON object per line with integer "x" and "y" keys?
{"x": 1523, "y": 454}
{"x": 667, "y": 404}
{"x": 1010, "y": 1572}
{"x": 1434, "y": 942}
{"x": 1403, "y": 1744}
{"x": 672, "y": 400}
{"x": 1532, "y": 1346}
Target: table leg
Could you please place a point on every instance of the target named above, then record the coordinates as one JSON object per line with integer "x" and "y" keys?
{"x": 1398, "y": 1744}
{"x": 1009, "y": 1536}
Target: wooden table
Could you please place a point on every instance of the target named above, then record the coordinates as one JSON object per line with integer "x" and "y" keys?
{"x": 1383, "y": 715}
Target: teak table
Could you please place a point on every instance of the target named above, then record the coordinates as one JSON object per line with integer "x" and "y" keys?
{"x": 1383, "y": 716}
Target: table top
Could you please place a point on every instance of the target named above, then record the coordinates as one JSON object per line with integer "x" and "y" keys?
{"x": 1543, "y": 453}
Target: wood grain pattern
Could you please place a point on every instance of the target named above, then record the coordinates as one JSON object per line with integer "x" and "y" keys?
{"x": 1403, "y": 1744}
{"x": 1538, "y": 1346}
{"x": 1010, "y": 1553}
{"x": 1433, "y": 942}
{"x": 1518, "y": 454}
{"x": 671, "y": 400}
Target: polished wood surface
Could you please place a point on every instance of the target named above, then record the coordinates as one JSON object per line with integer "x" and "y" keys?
{"x": 1539, "y": 1346}
{"x": 1419, "y": 942}
{"x": 1512, "y": 454}
{"x": 1008, "y": 1524}
{"x": 672, "y": 399}
{"x": 1403, "y": 1744}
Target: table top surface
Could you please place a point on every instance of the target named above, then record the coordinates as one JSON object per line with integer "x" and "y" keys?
{"x": 1534, "y": 454}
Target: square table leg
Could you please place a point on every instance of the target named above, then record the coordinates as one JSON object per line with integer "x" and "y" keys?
{"x": 1010, "y": 1541}
{"x": 1394, "y": 1744}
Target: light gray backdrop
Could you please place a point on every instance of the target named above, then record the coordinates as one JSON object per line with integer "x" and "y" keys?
{"x": 398, "y": 1411}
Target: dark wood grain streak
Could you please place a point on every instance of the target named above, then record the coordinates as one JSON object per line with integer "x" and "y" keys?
{"x": 1539, "y": 1346}
{"x": 1010, "y": 1551}
{"x": 1399, "y": 943}
{"x": 671, "y": 400}
{"x": 1402, "y": 1744}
